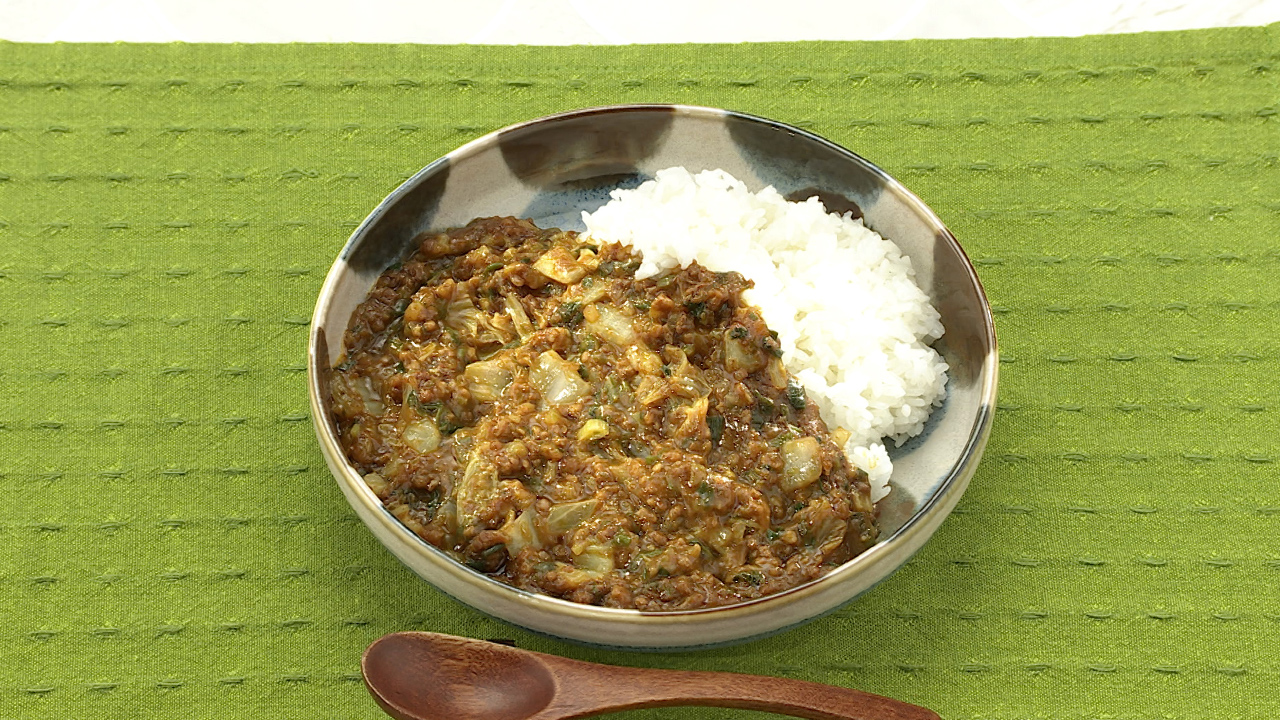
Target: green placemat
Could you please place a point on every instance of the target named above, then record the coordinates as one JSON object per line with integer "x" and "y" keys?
{"x": 175, "y": 547}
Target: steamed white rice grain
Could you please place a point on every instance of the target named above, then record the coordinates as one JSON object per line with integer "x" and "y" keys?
{"x": 855, "y": 328}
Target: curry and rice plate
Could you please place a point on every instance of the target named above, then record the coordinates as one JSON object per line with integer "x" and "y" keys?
{"x": 580, "y": 420}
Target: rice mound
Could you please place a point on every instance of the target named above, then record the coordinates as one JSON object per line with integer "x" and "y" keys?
{"x": 854, "y": 327}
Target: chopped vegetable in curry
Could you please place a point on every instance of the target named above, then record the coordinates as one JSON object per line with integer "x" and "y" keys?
{"x": 518, "y": 399}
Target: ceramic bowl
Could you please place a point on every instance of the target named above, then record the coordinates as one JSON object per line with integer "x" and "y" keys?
{"x": 552, "y": 169}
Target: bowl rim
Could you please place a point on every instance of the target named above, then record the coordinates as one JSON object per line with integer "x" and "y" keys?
{"x": 941, "y": 500}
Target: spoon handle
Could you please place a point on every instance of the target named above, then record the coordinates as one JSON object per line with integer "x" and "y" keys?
{"x": 621, "y": 688}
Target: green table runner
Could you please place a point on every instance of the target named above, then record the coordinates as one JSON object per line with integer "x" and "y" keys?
{"x": 173, "y": 545}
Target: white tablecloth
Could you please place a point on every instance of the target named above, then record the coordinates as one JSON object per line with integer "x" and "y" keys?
{"x": 562, "y": 22}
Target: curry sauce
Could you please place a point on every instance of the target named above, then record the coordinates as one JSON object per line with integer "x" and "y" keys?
{"x": 517, "y": 398}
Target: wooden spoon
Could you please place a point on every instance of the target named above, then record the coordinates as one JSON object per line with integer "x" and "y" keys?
{"x": 428, "y": 676}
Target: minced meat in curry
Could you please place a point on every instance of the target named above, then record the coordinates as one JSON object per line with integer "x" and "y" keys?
{"x": 519, "y": 400}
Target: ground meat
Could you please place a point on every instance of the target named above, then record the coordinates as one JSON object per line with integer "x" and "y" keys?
{"x": 517, "y": 398}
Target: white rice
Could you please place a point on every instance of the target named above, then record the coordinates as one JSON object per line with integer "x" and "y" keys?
{"x": 855, "y": 329}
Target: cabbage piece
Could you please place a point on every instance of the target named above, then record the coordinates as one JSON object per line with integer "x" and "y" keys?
{"x": 728, "y": 542}
{"x": 776, "y": 374}
{"x": 826, "y": 529}
{"x": 567, "y": 516}
{"x": 463, "y": 317}
{"x": 495, "y": 330}
{"x": 423, "y": 436}
{"x": 740, "y": 353}
{"x": 596, "y": 559}
{"x": 695, "y": 418}
{"x": 592, "y": 429}
{"x": 377, "y": 484}
{"x": 610, "y": 324}
{"x": 372, "y": 400}
{"x": 487, "y": 379}
{"x": 587, "y": 292}
{"x": 652, "y": 390}
{"x": 519, "y": 318}
{"x": 476, "y": 489}
{"x": 840, "y": 436}
{"x": 560, "y": 265}
{"x": 644, "y": 360}
{"x": 801, "y": 464}
{"x": 523, "y": 532}
{"x": 572, "y": 577}
{"x": 588, "y": 259}
{"x": 557, "y": 379}
{"x": 462, "y": 441}
{"x": 686, "y": 379}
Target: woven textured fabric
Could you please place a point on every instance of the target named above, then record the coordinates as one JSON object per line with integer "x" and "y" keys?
{"x": 173, "y": 545}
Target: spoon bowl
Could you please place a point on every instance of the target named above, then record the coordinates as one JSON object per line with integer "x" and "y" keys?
{"x": 428, "y": 676}
{"x": 456, "y": 678}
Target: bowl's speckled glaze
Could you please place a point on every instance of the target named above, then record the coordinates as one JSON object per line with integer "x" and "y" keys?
{"x": 552, "y": 169}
